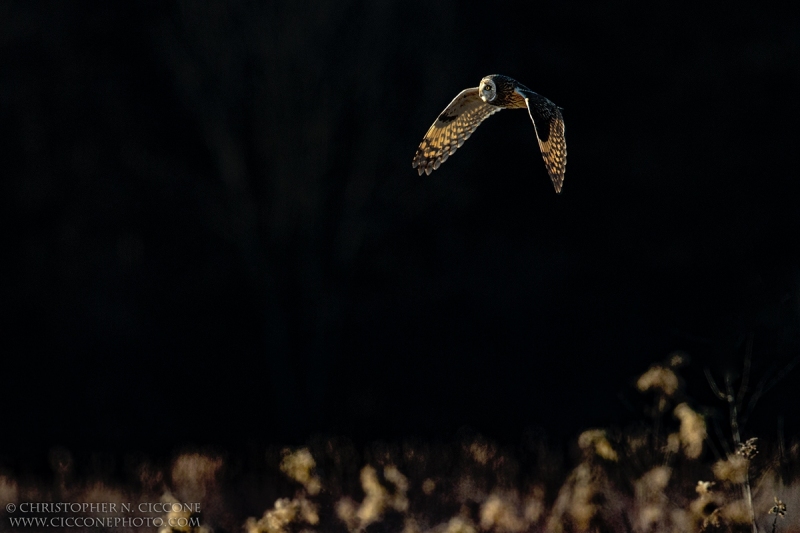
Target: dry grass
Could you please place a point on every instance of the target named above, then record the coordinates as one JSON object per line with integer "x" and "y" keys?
{"x": 649, "y": 479}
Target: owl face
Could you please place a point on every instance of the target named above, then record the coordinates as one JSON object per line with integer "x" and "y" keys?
{"x": 487, "y": 90}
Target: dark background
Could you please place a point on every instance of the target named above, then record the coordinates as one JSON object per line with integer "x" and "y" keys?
{"x": 213, "y": 233}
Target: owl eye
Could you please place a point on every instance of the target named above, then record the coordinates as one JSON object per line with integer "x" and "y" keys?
{"x": 487, "y": 88}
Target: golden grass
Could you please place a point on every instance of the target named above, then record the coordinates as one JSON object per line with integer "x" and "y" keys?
{"x": 649, "y": 479}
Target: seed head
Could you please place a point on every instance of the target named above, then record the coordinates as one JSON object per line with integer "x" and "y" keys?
{"x": 748, "y": 449}
{"x": 779, "y": 508}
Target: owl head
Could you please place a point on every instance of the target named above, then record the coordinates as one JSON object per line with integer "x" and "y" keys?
{"x": 501, "y": 91}
{"x": 487, "y": 89}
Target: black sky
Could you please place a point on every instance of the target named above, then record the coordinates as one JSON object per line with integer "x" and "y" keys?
{"x": 214, "y": 233}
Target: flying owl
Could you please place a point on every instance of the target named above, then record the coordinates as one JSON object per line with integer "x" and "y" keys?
{"x": 473, "y": 106}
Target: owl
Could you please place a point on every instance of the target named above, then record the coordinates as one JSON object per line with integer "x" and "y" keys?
{"x": 473, "y": 106}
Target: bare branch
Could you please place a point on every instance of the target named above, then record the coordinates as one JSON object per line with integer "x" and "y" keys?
{"x": 782, "y": 374}
{"x": 713, "y": 384}
{"x": 748, "y": 358}
{"x": 769, "y": 380}
{"x": 734, "y": 413}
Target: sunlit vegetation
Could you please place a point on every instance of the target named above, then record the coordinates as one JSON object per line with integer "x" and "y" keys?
{"x": 664, "y": 474}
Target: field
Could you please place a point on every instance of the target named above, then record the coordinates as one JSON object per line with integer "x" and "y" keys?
{"x": 664, "y": 474}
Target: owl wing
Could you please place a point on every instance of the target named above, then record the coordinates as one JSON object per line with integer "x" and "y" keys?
{"x": 549, "y": 126}
{"x": 451, "y": 129}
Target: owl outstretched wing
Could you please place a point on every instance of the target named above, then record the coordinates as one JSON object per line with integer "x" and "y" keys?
{"x": 549, "y": 126}
{"x": 451, "y": 129}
